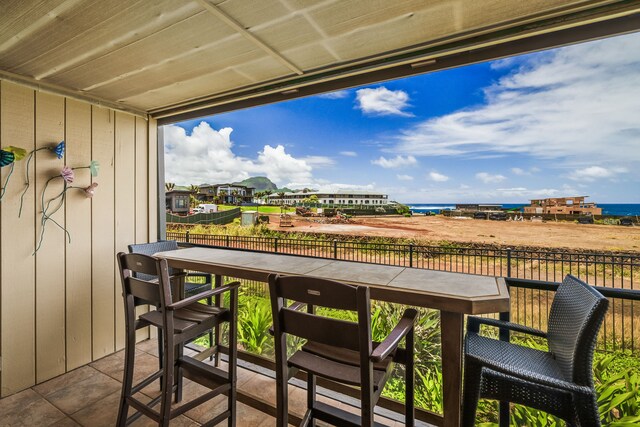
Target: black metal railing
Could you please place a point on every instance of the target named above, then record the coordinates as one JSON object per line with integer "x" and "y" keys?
{"x": 530, "y": 271}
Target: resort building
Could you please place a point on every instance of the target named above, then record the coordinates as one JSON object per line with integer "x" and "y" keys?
{"x": 563, "y": 205}
{"x": 177, "y": 201}
{"x": 339, "y": 197}
{"x": 225, "y": 193}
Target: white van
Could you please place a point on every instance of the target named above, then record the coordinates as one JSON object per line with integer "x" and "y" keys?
{"x": 205, "y": 208}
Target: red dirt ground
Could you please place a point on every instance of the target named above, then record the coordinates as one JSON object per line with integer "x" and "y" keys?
{"x": 439, "y": 228}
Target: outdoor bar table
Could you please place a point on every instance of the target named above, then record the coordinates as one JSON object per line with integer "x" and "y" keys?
{"x": 454, "y": 294}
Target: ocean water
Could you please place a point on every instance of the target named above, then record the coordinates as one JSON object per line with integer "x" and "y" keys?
{"x": 620, "y": 209}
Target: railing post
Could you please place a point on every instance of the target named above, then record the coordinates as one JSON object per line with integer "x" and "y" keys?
{"x": 410, "y": 254}
{"x": 335, "y": 248}
{"x": 227, "y": 240}
{"x": 508, "y": 262}
{"x": 187, "y": 236}
{"x": 275, "y": 244}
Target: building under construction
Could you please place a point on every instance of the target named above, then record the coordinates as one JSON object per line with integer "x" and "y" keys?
{"x": 563, "y": 205}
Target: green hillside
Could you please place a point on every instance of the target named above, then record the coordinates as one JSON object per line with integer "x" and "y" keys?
{"x": 260, "y": 183}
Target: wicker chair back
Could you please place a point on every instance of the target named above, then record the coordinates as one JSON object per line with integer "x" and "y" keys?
{"x": 577, "y": 312}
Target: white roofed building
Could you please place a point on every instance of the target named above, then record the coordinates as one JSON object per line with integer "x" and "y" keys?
{"x": 338, "y": 197}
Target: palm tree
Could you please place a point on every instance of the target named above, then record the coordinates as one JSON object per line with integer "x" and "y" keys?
{"x": 169, "y": 186}
{"x": 281, "y": 195}
{"x": 194, "y": 190}
{"x": 267, "y": 193}
{"x": 223, "y": 195}
{"x": 235, "y": 194}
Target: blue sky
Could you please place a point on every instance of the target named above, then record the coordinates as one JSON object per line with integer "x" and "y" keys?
{"x": 556, "y": 123}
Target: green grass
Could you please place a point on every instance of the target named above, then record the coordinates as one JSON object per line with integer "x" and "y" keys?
{"x": 263, "y": 209}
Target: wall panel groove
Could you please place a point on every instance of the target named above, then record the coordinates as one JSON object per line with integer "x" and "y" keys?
{"x": 62, "y": 307}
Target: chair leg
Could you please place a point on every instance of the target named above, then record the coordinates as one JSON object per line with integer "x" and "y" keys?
{"x": 179, "y": 349}
{"x": 282, "y": 392}
{"x": 409, "y": 379}
{"x": 471, "y": 392}
{"x": 160, "y": 347}
{"x": 311, "y": 398}
{"x": 366, "y": 396}
{"x": 211, "y": 341}
{"x": 233, "y": 359}
{"x": 214, "y": 339}
{"x": 167, "y": 386}
{"x": 127, "y": 382}
{"x": 587, "y": 408}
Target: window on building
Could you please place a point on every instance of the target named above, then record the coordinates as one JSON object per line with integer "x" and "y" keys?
{"x": 181, "y": 203}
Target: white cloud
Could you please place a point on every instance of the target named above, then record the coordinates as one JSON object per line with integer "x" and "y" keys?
{"x": 579, "y": 102}
{"x": 206, "y": 156}
{"x": 518, "y": 171}
{"x": 318, "y": 161}
{"x": 437, "y": 177}
{"x": 383, "y": 102}
{"x": 335, "y": 95}
{"x": 488, "y": 178}
{"x": 404, "y": 177}
{"x": 593, "y": 173}
{"x": 395, "y": 162}
{"x": 349, "y": 153}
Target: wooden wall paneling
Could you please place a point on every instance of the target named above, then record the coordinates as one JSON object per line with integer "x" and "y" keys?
{"x": 102, "y": 242}
{"x": 152, "y": 134}
{"x": 78, "y": 256}
{"x": 142, "y": 198}
{"x": 142, "y": 181}
{"x": 17, "y": 266}
{"x": 50, "y": 258}
{"x": 125, "y": 204}
{"x": 154, "y": 209}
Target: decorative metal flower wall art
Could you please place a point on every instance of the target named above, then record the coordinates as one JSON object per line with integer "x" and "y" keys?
{"x": 8, "y": 156}
{"x": 54, "y": 204}
{"x": 57, "y": 150}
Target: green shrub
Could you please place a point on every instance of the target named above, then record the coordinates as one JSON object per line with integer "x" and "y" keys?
{"x": 616, "y": 375}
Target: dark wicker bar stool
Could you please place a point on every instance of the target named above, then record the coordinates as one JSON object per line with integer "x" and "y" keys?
{"x": 338, "y": 350}
{"x": 560, "y": 381}
{"x": 178, "y": 322}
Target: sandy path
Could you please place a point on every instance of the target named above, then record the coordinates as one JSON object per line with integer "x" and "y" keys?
{"x": 438, "y": 228}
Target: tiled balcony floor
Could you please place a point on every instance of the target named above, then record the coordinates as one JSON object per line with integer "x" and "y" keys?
{"x": 89, "y": 396}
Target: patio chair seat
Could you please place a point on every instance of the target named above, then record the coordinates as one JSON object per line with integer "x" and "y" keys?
{"x": 518, "y": 358}
{"x": 344, "y": 355}
{"x": 190, "y": 321}
{"x": 347, "y": 373}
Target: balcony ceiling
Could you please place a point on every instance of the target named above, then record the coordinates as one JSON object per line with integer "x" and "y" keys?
{"x": 168, "y": 57}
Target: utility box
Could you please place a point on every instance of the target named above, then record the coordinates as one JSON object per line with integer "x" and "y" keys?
{"x": 249, "y": 218}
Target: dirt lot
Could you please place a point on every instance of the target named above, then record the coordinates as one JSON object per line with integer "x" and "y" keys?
{"x": 438, "y": 228}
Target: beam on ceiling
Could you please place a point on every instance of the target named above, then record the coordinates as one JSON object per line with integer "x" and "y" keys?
{"x": 69, "y": 93}
{"x": 235, "y": 25}
{"x": 39, "y": 23}
{"x": 477, "y": 49}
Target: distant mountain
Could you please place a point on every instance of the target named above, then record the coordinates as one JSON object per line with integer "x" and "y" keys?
{"x": 260, "y": 183}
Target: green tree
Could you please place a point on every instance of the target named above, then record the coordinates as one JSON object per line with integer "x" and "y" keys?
{"x": 223, "y": 195}
{"x": 169, "y": 186}
{"x": 267, "y": 193}
{"x": 281, "y": 195}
